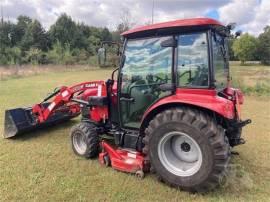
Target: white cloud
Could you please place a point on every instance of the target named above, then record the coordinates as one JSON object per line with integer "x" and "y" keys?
{"x": 261, "y": 19}
{"x": 239, "y": 11}
{"x": 251, "y": 15}
{"x": 108, "y": 12}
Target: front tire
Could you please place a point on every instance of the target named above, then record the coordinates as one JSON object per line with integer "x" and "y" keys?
{"x": 85, "y": 140}
{"x": 187, "y": 149}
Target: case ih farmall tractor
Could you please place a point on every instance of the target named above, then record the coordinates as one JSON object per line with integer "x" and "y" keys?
{"x": 170, "y": 110}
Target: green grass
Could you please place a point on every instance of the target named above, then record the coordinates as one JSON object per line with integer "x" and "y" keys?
{"x": 41, "y": 166}
{"x": 251, "y": 79}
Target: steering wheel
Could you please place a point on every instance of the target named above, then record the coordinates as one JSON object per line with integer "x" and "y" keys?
{"x": 154, "y": 82}
{"x": 201, "y": 76}
{"x": 156, "y": 79}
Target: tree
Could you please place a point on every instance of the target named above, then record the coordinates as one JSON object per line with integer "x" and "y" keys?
{"x": 85, "y": 29}
{"x": 106, "y": 35}
{"x": 55, "y": 55}
{"x": 245, "y": 47}
{"x": 40, "y": 37}
{"x": 124, "y": 25}
{"x": 35, "y": 37}
{"x": 19, "y": 29}
{"x": 93, "y": 44}
{"x": 33, "y": 56}
{"x": 232, "y": 55}
{"x": 5, "y": 35}
{"x": 12, "y": 56}
{"x": 264, "y": 46}
{"x": 6, "y": 54}
{"x": 64, "y": 30}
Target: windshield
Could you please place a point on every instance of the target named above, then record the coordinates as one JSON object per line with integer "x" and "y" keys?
{"x": 220, "y": 55}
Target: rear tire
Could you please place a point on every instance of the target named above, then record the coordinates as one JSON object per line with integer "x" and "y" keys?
{"x": 187, "y": 149}
{"x": 85, "y": 140}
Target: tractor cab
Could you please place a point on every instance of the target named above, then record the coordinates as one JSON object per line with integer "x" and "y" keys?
{"x": 159, "y": 59}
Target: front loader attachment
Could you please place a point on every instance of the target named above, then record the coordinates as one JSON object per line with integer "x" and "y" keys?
{"x": 65, "y": 104}
{"x": 21, "y": 120}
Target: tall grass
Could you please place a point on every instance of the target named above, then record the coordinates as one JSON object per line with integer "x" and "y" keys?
{"x": 252, "y": 80}
{"x": 259, "y": 89}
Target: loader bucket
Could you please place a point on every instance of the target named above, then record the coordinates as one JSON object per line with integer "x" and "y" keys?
{"x": 21, "y": 120}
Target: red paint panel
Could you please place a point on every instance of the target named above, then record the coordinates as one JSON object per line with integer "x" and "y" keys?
{"x": 123, "y": 160}
{"x": 175, "y": 23}
{"x": 199, "y": 97}
{"x": 98, "y": 114}
{"x": 87, "y": 93}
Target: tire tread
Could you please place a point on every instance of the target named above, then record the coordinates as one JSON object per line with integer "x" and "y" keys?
{"x": 203, "y": 122}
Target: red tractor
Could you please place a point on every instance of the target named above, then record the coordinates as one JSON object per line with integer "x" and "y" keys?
{"x": 170, "y": 110}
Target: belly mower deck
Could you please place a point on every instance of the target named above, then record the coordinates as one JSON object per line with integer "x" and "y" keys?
{"x": 123, "y": 160}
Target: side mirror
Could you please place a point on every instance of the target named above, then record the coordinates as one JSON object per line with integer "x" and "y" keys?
{"x": 237, "y": 33}
{"x": 171, "y": 42}
{"x": 231, "y": 26}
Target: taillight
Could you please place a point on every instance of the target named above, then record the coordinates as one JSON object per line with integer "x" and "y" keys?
{"x": 240, "y": 96}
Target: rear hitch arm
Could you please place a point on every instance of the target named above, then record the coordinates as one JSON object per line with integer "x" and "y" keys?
{"x": 242, "y": 123}
{"x": 239, "y": 124}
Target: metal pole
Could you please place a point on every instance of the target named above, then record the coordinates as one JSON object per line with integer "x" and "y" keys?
{"x": 153, "y": 6}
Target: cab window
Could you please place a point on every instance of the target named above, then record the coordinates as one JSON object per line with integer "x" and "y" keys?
{"x": 219, "y": 61}
{"x": 147, "y": 66}
{"x": 193, "y": 67}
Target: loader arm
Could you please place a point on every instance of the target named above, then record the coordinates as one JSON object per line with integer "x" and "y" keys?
{"x": 65, "y": 97}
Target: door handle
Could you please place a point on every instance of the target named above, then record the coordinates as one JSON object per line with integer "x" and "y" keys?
{"x": 127, "y": 99}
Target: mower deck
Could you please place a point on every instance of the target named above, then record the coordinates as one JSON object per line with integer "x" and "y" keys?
{"x": 123, "y": 160}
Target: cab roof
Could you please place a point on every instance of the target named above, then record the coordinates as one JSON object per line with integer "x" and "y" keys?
{"x": 192, "y": 22}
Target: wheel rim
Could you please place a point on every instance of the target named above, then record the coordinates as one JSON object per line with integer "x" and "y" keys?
{"x": 79, "y": 143}
{"x": 180, "y": 154}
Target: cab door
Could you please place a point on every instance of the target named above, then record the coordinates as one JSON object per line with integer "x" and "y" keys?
{"x": 147, "y": 67}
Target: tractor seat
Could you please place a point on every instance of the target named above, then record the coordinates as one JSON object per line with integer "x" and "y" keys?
{"x": 98, "y": 101}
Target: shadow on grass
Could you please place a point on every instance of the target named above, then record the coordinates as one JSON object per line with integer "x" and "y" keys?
{"x": 44, "y": 131}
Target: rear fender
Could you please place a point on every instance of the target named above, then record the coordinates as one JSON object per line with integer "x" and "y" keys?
{"x": 202, "y": 98}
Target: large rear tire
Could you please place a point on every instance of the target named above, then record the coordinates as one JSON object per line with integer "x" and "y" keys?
{"x": 187, "y": 149}
{"x": 85, "y": 140}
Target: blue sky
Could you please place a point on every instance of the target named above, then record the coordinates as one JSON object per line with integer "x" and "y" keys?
{"x": 213, "y": 14}
{"x": 250, "y": 15}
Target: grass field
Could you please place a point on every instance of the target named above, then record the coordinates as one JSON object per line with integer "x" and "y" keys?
{"x": 42, "y": 167}
{"x": 253, "y": 80}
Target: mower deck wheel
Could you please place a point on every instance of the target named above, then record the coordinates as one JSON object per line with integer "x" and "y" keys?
{"x": 139, "y": 174}
{"x": 107, "y": 160}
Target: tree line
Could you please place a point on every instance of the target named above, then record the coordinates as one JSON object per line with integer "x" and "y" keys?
{"x": 68, "y": 42}
{"x": 249, "y": 48}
